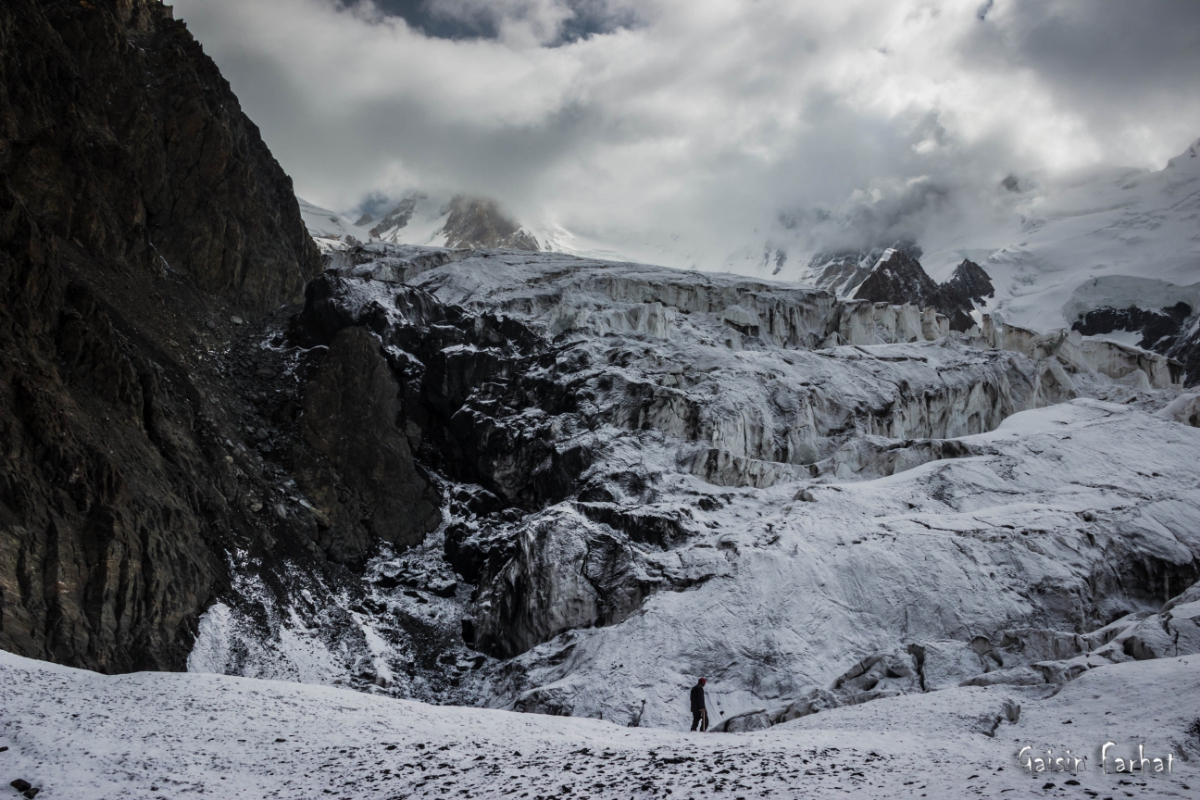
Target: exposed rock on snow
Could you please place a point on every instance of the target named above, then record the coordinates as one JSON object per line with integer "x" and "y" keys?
{"x": 1161, "y": 316}
{"x": 968, "y": 287}
{"x": 652, "y": 475}
{"x": 1110, "y": 253}
{"x": 899, "y": 279}
{"x": 350, "y": 409}
{"x": 462, "y": 222}
{"x": 479, "y": 222}
{"x": 841, "y": 271}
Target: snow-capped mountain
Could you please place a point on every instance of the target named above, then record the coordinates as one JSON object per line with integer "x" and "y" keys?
{"x": 1078, "y": 246}
{"x": 899, "y": 278}
{"x": 1112, "y": 238}
{"x": 1103, "y": 241}
{"x": 1113, "y": 253}
{"x": 418, "y": 219}
{"x": 326, "y": 226}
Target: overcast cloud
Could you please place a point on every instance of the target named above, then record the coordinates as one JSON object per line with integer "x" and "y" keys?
{"x": 710, "y": 119}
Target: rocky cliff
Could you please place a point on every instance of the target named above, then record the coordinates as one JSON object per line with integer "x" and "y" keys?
{"x": 141, "y": 217}
{"x": 899, "y": 278}
{"x": 462, "y": 221}
{"x": 841, "y": 271}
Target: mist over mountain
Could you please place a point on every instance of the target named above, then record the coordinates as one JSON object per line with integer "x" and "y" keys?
{"x": 703, "y": 133}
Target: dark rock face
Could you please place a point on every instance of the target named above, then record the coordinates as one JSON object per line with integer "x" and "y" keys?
{"x": 1172, "y": 331}
{"x": 120, "y": 135}
{"x": 900, "y": 278}
{"x": 561, "y": 575}
{"x": 480, "y": 223}
{"x": 491, "y": 404}
{"x": 350, "y": 412}
{"x": 839, "y": 271}
{"x": 967, "y": 287}
{"x": 137, "y": 203}
{"x": 465, "y": 379}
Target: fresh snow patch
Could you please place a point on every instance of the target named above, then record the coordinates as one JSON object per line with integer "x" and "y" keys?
{"x": 82, "y": 735}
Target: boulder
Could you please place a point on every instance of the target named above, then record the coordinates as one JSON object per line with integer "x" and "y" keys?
{"x": 814, "y": 701}
{"x": 744, "y": 722}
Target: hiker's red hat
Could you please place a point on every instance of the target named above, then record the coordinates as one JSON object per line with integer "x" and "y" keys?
{"x": 703, "y": 681}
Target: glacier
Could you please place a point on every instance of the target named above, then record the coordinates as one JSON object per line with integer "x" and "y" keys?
{"x": 650, "y": 474}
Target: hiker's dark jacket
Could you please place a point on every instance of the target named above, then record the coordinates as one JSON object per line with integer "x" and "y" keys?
{"x": 697, "y": 698}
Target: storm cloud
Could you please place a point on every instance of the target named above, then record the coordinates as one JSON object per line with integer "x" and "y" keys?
{"x": 708, "y": 121}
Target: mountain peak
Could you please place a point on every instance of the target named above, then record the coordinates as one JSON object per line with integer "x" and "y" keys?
{"x": 899, "y": 278}
{"x": 841, "y": 271}
{"x": 479, "y": 222}
{"x": 1189, "y": 158}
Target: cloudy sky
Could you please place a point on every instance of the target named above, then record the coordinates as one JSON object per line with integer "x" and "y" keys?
{"x": 714, "y": 121}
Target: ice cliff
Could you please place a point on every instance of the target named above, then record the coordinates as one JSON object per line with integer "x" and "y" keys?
{"x": 649, "y": 475}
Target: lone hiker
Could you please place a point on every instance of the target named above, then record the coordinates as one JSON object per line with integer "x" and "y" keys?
{"x": 699, "y": 711}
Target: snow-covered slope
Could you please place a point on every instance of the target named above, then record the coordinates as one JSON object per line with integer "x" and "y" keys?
{"x": 992, "y": 545}
{"x": 651, "y": 474}
{"x": 327, "y": 226}
{"x": 1105, "y": 238}
{"x": 80, "y": 735}
{"x": 1054, "y": 250}
{"x": 648, "y": 475}
{"x": 419, "y": 219}
{"x": 1095, "y": 232}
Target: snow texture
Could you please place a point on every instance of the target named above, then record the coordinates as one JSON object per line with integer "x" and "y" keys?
{"x": 770, "y": 511}
{"x": 874, "y": 537}
{"x": 1111, "y": 238}
{"x": 85, "y": 736}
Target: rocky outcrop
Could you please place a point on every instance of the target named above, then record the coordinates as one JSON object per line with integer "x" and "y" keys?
{"x": 397, "y": 218}
{"x": 138, "y": 206}
{"x": 899, "y": 279}
{"x": 351, "y": 408}
{"x": 1159, "y": 328}
{"x": 841, "y": 271}
{"x": 478, "y": 222}
{"x": 565, "y": 569}
{"x": 463, "y": 221}
{"x": 1163, "y": 315}
{"x": 120, "y": 135}
{"x": 968, "y": 287}
{"x": 476, "y": 396}
{"x": 1173, "y": 331}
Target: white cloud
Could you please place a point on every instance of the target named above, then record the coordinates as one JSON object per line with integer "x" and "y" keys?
{"x": 708, "y": 118}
